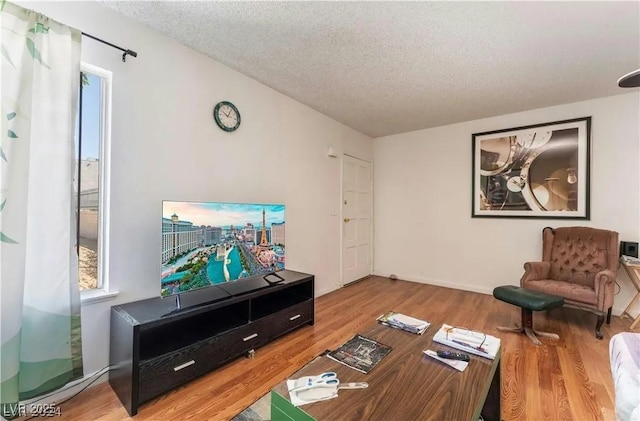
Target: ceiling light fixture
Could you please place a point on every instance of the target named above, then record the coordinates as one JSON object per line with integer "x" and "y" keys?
{"x": 630, "y": 80}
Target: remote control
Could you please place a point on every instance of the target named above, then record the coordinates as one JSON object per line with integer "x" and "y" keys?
{"x": 452, "y": 355}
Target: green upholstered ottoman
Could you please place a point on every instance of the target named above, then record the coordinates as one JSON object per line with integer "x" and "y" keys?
{"x": 529, "y": 301}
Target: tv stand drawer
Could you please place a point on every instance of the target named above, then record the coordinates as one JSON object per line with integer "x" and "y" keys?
{"x": 247, "y": 337}
{"x": 168, "y": 371}
{"x": 290, "y": 318}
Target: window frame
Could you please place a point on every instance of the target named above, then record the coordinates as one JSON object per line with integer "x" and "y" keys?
{"x": 102, "y": 290}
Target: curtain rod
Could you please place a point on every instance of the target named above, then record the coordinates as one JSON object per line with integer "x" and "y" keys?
{"x": 125, "y": 50}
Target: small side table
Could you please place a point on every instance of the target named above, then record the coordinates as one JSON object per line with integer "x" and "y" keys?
{"x": 633, "y": 270}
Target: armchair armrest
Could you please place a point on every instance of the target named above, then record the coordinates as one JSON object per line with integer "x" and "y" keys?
{"x": 603, "y": 285}
{"x": 535, "y": 271}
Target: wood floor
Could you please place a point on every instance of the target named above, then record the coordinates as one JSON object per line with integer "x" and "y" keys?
{"x": 568, "y": 379}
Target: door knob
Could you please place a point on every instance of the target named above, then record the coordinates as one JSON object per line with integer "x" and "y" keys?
{"x": 347, "y": 219}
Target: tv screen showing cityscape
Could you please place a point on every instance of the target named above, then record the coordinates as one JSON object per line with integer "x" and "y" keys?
{"x": 208, "y": 243}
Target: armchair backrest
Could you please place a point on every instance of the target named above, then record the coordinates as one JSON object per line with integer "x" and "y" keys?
{"x": 577, "y": 254}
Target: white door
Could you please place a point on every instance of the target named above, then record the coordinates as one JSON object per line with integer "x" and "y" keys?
{"x": 356, "y": 219}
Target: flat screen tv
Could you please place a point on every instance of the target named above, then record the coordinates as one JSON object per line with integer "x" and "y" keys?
{"x": 209, "y": 243}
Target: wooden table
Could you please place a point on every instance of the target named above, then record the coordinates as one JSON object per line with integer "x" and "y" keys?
{"x": 633, "y": 270}
{"x": 405, "y": 385}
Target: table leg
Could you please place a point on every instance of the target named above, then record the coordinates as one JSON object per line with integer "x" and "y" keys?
{"x": 631, "y": 303}
{"x": 491, "y": 409}
{"x": 634, "y": 277}
{"x": 626, "y": 311}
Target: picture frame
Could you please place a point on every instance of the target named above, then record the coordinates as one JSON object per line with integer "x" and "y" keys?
{"x": 536, "y": 171}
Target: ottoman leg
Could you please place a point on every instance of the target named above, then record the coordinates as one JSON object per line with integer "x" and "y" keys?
{"x": 519, "y": 329}
{"x": 510, "y": 329}
{"x": 527, "y": 328}
{"x": 547, "y": 334}
{"x": 527, "y": 322}
{"x": 543, "y": 334}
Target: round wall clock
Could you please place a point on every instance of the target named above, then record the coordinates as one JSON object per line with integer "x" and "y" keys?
{"x": 227, "y": 116}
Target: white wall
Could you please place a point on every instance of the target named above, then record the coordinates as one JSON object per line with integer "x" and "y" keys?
{"x": 423, "y": 230}
{"x": 166, "y": 145}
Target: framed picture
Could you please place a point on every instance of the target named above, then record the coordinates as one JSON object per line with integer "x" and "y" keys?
{"x": 533, "y": 171}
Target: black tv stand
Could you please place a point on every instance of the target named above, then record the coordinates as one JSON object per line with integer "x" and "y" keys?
{"x": 160, "y": 343}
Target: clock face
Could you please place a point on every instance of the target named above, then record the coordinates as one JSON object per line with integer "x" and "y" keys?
{"x": 227, "y": 116}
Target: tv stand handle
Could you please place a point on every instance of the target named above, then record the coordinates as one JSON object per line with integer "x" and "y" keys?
{"x": 185, "y": 365}
{"x": 294, "y": 317}
{"x": 248, "y": 338}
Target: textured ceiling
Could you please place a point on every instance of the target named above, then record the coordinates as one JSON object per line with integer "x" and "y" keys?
{"x": 391, "y": 67}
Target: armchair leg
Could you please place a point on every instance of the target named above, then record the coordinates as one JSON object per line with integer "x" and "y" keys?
{"x": 599, "y": 325}
{"x": 609, "y": 316}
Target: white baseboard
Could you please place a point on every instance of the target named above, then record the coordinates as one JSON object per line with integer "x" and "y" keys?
{"x": 327, "y": 290}
{"x": 616, "y": 311}
{"x": 441, "y": 283}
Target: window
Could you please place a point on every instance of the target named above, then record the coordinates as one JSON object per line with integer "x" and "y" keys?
{"x": 92, "y": 176}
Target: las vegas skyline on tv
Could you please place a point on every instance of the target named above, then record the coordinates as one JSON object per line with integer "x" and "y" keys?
{"x": 207, "y": 243}
{"x": 224, "y": 215}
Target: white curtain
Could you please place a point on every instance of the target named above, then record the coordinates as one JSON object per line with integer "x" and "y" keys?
{"x": 39, "y": 297}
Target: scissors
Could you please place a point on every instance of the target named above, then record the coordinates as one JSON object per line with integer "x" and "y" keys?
{"x": 328, "y": 379}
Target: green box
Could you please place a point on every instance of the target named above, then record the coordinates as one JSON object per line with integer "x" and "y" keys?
{"x": 283, "y": 410}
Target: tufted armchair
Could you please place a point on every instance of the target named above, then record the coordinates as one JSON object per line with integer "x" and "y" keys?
{"x": 578, "y": 264}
